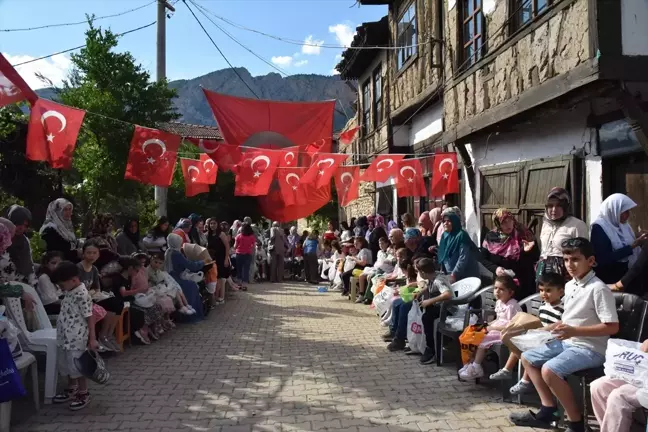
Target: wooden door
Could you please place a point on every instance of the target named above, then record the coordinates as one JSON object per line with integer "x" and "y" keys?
{"x": 628, "y": 175}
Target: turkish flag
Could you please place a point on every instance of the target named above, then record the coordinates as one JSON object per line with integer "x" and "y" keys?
{"x": 383, "y": 167}
{"x": 292, "y": 192}
{"x": 347, "y": 136}
{"x": 322, "y": 169}
{"x": 224, "y": 155}
{"x": 195, "y": 177}
{"x": 52, "y": 134}
{"x": 210, "y": 168}
{"x": 152, "y": 156}
{"x": 347, "y": 183}
{"x": 255, "y": 173}
{"x": 272, "y": 124}
{"x": 409, "y": 181}
{"x": 12, "y": 87}
{"x": 290, "y": 158}
{"x": 445, "y": 178}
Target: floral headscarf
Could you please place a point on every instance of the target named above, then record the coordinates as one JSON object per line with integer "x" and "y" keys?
{"x": 508, "y": 246}
{"x": 391, "y": 225}
{"x": 54, "y": 219}
{"x": 412, "y": 233}
{"x": 565, "y": 201}
{"x": 379, "y": 222}
{"x": 5, "y": 238}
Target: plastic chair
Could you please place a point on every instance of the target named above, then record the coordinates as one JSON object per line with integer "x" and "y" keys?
{"x": 354, "y": 282}
{"x": 26, "y": 359}
{"x": 123, "y": 329}
{"x": 41, "y": 340}
{"x": 43, "y": 320}
{"x": 532, "y": 303}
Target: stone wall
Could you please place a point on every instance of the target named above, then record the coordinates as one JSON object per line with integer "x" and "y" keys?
{"x": 554, "y": 48}
{"x": 364, "y": 205}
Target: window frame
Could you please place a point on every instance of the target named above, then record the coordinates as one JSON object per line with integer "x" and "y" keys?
{"x": 366, "y": 106}
{"x": 406, "y": 52}
{"x": 377, "y": 102}
{"x": 477, "y": 40}
{"x": 516, "y": 15}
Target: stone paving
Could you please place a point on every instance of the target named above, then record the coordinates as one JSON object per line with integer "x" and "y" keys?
{"x": 279, "y": 358}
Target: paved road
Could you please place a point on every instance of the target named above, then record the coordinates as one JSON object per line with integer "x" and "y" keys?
{"x": 279, "y": 357}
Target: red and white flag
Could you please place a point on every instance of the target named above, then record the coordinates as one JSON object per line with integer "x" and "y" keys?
{"x": 292, "y": 192}
{"x": 322, "y": 169}
{"x": 347, "y": 136}
{"x": 195, "y": 177}
{"x": 225, "y": 156}
{"x": 290, "y": 158}
{"x": 347, "y": 184}
{"x": 12, "y": 87}
{"x": 445, "y": 177}
{"x": 409, "y": 182}
{"x": 255, "y": 173}
{"x": 383, "y": 167}
{"x": 210, "y": 168}
{"x": 152, "y": 156}
{"x": 53, "y": 132}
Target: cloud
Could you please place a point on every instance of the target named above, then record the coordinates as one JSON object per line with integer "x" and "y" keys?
{"x": 343, "y": 33}
{"x": 54, "y": 68}
{"x": 301, "y": 63}
{"x": 282, "y": 60}
{"x": 313, "y": 47}
{"x": 334, "y": 72}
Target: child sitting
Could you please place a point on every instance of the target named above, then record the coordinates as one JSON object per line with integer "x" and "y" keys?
{"x": 75, "y": 330}
{"x": 146, "y": 299}
{"x": 551, "y": 287}
{"x": 48, "y": 292}
{"x": 506, "y": 307}
{"x": 163, "y": 284}
{"x": 590, "y": 318}
{"x": 384, "y": 264}
{"x": 261, "y": 258}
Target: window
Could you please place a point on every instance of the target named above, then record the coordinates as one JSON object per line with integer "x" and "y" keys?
{"x": 406, "y": 36}
{"x": 472, "y": 33}
{"x": 366, "y": 107}
{"x": 378, "y": 98}
{"x": 524, "y": 11}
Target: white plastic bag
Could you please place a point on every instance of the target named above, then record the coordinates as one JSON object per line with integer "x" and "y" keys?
{"x": 624, "y": 361}
{"x": 456, "y": 323}
{"x": 532, "y": 339}
{"x": 415, "y": 331}
{"x": 349, "y": 264}
{"x": 383, "y": 300}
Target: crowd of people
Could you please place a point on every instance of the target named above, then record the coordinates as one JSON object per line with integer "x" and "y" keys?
{"x": 178, "y": 273}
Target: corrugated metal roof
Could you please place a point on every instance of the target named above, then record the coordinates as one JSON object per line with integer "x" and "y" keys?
{"x": 192, "y": 131}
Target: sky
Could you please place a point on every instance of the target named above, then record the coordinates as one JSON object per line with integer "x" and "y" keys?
{"x": 189, "y": 51}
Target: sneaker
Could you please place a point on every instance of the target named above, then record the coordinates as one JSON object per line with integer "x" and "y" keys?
{"x": 113, "y": 342}
{"x": 387, "y": 337}
{"x": 101, "y": 348}
{"x": 153, "y": 335}
{"x": 501, "y": 375}
{"x": 80, "y": 401}
{"x": 428, "y": 357}
{"x": 107, "y": 343}
{"x": 141, "y": 337}
{"x": 521, "y": 387}
{"x": 409, "y": 351}
{"x": 473, "y": 372}
{"x": 67, "y": 395}
{"x": 184, "y": 310}
{"x": 368, "y": 302}
{"x": 396, "y": 345}
{"x": 359, "y": 299}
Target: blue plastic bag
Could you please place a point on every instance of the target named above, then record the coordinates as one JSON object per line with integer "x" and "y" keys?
{"x": 11, "y": 386}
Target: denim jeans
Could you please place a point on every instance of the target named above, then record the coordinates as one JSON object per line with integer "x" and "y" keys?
{"x": 400, "y": 310}
{"x": 243, "y": 262}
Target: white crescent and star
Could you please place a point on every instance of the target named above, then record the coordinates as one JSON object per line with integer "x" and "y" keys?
{"x": 213, "y": 164}
{"x": 445, "y": 161}
{"x": 263, "y": 158}
{"x": 408, "y": 168}
{"x": 55, "y": 114}
{"x": 154, "y": 141}
{"x": 390, "y": 161}
{"x": 346, "y": 185}
{"x": 201, "y": 146}
{"x": 192, "y": 168}
{"x": 329, "y": 161}
{"x": 289, "y": 176}
{"x": 289, "y": 162}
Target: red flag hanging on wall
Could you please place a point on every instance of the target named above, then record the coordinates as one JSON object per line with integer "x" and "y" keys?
{"x": 347, "y": 136}
{"x": 12, "y": 87}
{"x": 383, "y": 167}
{"x": 152, "y": 156}
{"x": 292, "y": 192}
{"x": 322, "y": 168}
{"x": 409, "y": 181}
{"x": 195, "y": 177}
{"x": 53, "y": 132}
{"x": 255, "y": 173}
{"x": 445, "y": 177}
{"x": 272, "y": 124}
{"x": 210, "y": 168}
{"x": 347, "y": 184}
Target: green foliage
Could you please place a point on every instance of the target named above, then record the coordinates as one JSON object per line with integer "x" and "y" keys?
{"x": 37, "y": 246}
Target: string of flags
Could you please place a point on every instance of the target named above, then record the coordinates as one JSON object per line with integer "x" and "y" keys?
{"x": 263, "y": 146}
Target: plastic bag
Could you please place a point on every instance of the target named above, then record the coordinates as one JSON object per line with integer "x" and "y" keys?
{"x": 532, "y": 339}
{"x": 383, "y": 300}
{"x": 456, "y": 323}
{"x": 349, "y": 264}
{"x": 9, "y": 331}
{"x": 469, "y": 340}
{"x": 10, "y": 382}
{"x": 415, "y": 331}
{"x": 625, "y": 361}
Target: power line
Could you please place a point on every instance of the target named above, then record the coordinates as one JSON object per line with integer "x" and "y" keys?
{"x": 78, "y": 22}
{"x": 219, "y": 50}
{"x": 81, "y": 46}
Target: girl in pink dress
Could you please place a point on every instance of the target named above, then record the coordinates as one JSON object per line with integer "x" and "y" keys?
{"x": 505, "y": 309}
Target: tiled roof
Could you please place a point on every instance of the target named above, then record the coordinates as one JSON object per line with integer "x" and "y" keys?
{"x": 192, "y": 131}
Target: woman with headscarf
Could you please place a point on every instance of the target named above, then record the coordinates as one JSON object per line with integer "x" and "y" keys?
{"x": 182, "y": 229}
{"x": 615, "y": 245}
{"x": 457, "y": 254}
{"x": 102, "y": 228}
{"x": 510, "y": 248}
{"x": 155, "y": 240}
{"x": 58, "y": 231}
{"x": 347, "y": 233}
{"x": 391, "y": 225}
{"x": 8, "y": 270}
{"x": 175, "y": 263}
{"x": 377, "y": 233}
{"x": 277, "y": 252}
{"x": 557, "y": 226}
{"x": 236, "y": 226}
{"x": 128, "y": 240}
{"x": 361, "y": 226}
{"x": 197, "y": 231}
{"x": 218, "y": 246}
{"x": 20, "y": 250}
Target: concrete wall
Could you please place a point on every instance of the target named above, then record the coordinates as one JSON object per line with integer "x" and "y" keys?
{"x": 426, "y": 124}
{"x": 634, "y": 27}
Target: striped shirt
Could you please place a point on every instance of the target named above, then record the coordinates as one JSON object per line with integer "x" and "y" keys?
{"x": 550, "y": 314}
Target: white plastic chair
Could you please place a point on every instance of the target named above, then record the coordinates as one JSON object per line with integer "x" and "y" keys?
{"x": 41, "y": 340}
{"x": 44, "y": 321}
{"x": 22, "y": 362}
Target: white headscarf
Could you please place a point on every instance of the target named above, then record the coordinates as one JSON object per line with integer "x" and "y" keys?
{"x": 54, "y": 219}
{"x": 609, "y": 219}
{"x": 174, "y": 241}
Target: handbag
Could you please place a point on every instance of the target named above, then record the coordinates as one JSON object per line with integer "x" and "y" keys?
{"x": 11, "y": 386}
{"x": 470, "y": 339}
{"x": 519, "y": 324}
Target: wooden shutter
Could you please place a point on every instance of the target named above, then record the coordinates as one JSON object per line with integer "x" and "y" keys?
{"x": 500, "y": 187}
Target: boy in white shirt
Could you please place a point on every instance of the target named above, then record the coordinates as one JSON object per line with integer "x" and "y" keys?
{"x": 588, "y": 321}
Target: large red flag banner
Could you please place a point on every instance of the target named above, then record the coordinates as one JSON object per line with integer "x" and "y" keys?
{"x": 381, "y": 168}
{"x": 152, "y": 156}
{"x": 273, "y": 207}
{"x": 347, "y": 183}
{"x": 409, "y": 182}
{"x": 224, "y": 155}
{"x": 12, "y": 87}
{"x": 53, "y": 132}
{"x": 292, "y": 192}
{"x": 255, "y": 173}
{"x": 445, "y": 177}
{"x": 322, "y": 168}
{"x": 195, "y": 177}
{"x": 272, "y": 124}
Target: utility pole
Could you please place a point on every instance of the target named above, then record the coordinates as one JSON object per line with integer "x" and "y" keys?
{"x": 162, "y": 6}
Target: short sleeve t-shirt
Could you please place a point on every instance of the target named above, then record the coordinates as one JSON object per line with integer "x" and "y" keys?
{"x": 550, "y": 314}
{"x": 72, "y": 325}
{"x": 245, "y": 244}
{"x": 365, "y": 255}
{"x": 89, "y": 278}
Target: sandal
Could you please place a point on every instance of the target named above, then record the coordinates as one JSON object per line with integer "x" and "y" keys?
{"x": 529, "y": 419}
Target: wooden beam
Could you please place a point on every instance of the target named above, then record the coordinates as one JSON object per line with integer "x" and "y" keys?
{"x": 636, "y": 117}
